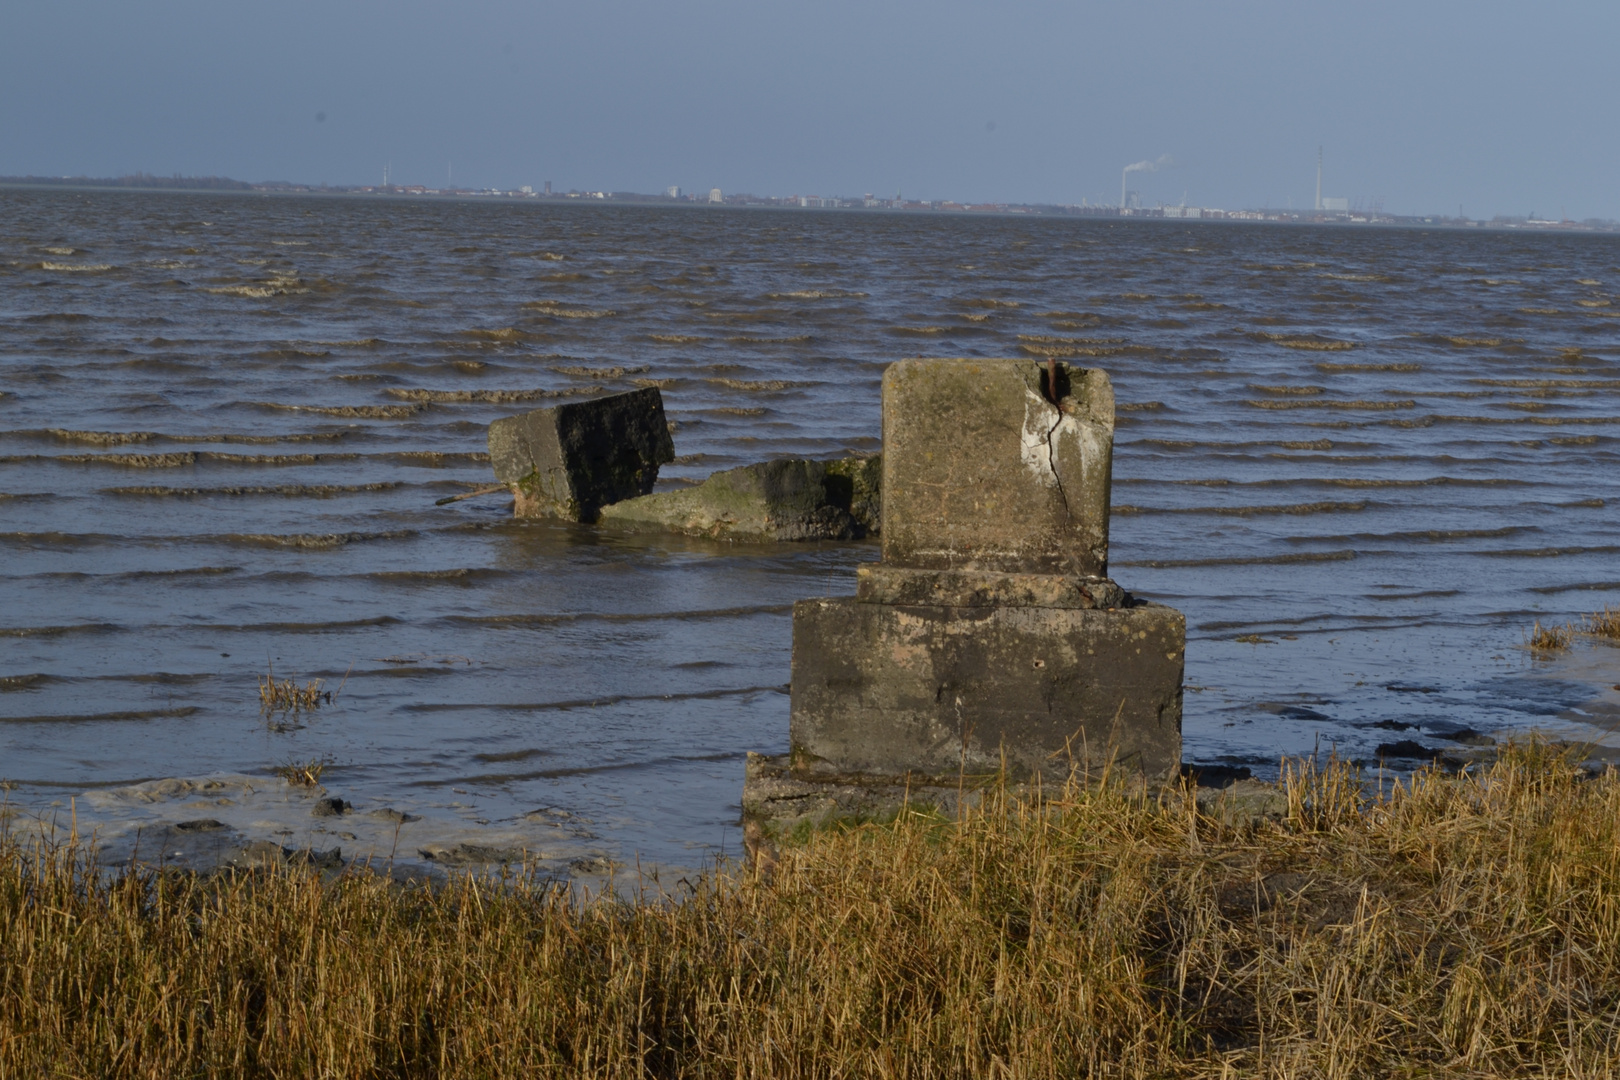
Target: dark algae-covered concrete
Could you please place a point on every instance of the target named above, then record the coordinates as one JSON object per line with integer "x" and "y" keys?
{"x": 989, "y": 636}
{"x": 569, "y": 461}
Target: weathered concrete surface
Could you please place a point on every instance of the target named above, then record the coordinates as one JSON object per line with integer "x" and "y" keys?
{"x": 879, "y": 583}
{"x": 782, "y": 798}
{"x": 890, "y": 689}
{"x": 790, "y": 499}
{"x": 982, "y": 471}
{"x": 571, "y": 460}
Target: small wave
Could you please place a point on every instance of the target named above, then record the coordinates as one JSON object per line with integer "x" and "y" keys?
{"x": 677, "y": 339}
{"x": 134, "y": 461}
{"x": 255, "y": 292}
{"x": 288, "y": 490}
{"x": 458, "y": 576}
{"x": 760, "y": 385}
{"x": 1268, "y": 403}
{"x": 80, "y": 268}
{"x": 1139, "y": 406}
{"x": 588, "y": 703}
{"x": 10, "y": 683}
{"x": 556, "y": 310}
{"x": 1548, "y": 553}
{"x": 439, "y": 458}
{"x": 1312, "y": 342}
{"x": 58, "y": 631}
{"x": 736, "y": 410}
{"x": 487, "y": 396}
{"x": 521, "y": 621}
{"x": 1255, "y": 560}
{"x": 290, "y": 243}
{"x": 815, "y": 294}
{"x": 1326, "y": 366}
{"x": 754, "y": 339}
{"x": 989, "y": 303}
{"x": 600, "y": 372}
{"x": 100, "y": 438}
{"x": 273, "y": 459}
{"x": 353, "y": 412}
{"x": 510, "y": 333}
{"x": 1249, "y": 511}
{"x": 60, "y": 316}
{"x": 1384, "y": 278}
{"x": 1052, "y": 339}
{"x": 1579, "y": 586}
{"x": 1432, "y": 536}
{"x": 75, "y": 251}
{"x": 1572, "y": 384}
{"x": 313, "y": 541}
{"x": 1546, "y": 421}
{"x": 921, "y": 330}
{"x": 134, "y": 714}
{"x": 1303, "y": 391}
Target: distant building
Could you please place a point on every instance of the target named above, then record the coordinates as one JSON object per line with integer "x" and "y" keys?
{"x": 548, "y": 187}
{"x": 1336, "y": 206}
{"x": 715, "y": 196}
{"x": 527, "y": 189}
{"x": 673, "y": 191}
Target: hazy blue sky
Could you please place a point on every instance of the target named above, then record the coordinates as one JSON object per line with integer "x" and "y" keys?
{"x": 1499, "y": 107}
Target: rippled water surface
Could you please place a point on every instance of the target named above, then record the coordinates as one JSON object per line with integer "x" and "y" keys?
{"x": 1363, "y": 462}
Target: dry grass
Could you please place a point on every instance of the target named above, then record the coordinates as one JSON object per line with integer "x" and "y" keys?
{"x": 1603, "y": 624}
{"x": 1459, "y": 927}
{"x": 285, "y": 694}
{"x": 1599, "y": 624}
{"x": 301, "y": 773}
{"x": 1550, "y": 638}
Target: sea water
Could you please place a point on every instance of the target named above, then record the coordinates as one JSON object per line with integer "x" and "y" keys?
{"x": 1363, "y": 461}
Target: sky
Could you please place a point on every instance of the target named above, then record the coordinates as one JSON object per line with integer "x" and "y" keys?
{"x": 1422, "y": 106}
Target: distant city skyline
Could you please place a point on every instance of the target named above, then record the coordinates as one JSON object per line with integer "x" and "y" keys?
{"x": 1486, "y": 106}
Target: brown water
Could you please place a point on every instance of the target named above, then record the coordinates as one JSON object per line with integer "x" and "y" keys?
{"x": 226, "y": 418}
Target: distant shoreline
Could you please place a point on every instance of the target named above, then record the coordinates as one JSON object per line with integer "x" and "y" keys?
{"x": 225, "y": 185}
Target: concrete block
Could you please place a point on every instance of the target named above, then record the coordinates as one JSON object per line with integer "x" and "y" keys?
{"x": 790, "y": 499}
{"x": 889, "y": 689}
{"x": 982, "y": 471}
{"x": 571, "y": 460}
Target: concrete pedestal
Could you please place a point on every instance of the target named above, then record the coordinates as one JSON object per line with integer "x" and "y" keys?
{"x": 892, "y": 689}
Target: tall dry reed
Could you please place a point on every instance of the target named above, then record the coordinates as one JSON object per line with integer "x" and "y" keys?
{"x": 1459, "y": 926}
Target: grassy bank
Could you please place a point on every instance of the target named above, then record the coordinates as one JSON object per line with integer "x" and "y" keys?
{"x": 1464, "y": 926}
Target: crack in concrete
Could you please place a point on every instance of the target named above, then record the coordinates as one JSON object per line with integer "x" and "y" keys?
{"x": 1051, "y": 459}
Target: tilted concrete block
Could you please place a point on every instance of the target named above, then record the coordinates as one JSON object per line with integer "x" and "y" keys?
{"x": 982, "y": 471}
{"x": 571, "y": 460}
{"x": 888, "y": 689}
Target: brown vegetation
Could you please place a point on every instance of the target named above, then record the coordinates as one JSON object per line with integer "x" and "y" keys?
{"x": 1461, "y": 926}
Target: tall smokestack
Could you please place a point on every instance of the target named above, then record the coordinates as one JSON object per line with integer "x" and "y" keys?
{"x": 1122, "y": 175}
{"x": 1319, "y": 179}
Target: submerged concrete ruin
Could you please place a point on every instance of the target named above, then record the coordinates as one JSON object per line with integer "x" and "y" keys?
{"x": 597, "y": 461}
{"x": 989, "y": 635}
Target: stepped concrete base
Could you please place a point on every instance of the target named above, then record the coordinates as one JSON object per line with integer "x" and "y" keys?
{"x": 933, "y": 690}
